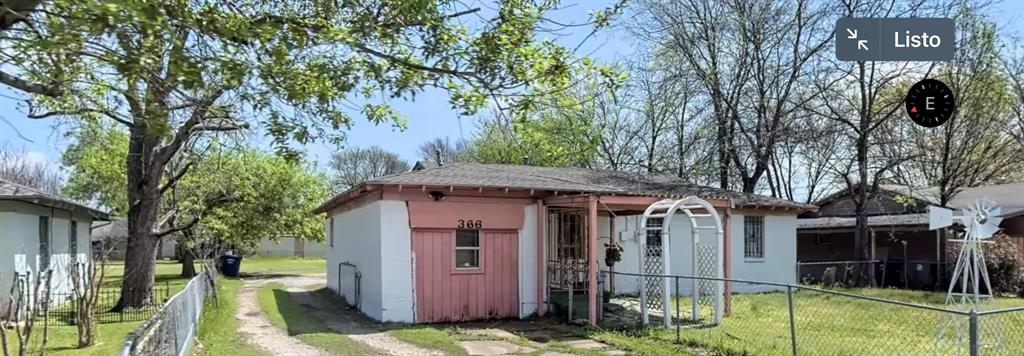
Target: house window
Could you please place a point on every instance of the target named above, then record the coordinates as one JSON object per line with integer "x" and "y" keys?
{"x": 467, "y": 249}
{"x": 654, "y": 236}
{"x": 753, "y": 237}
{"x": 44, "y": 243}
{"x": 73, "y": 239}
{"x": 331, "y": 233}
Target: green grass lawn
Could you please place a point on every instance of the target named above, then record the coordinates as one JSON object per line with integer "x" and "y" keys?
{"x": 284, "y": 265}
{"x": 218, "y": 340}
{"x": 287, "y": 314}
{"x": 824, "y": 324}
{"x": 218, "y": 330}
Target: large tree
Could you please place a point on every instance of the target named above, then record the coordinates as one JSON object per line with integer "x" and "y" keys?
{"x": 241, "y": 196}
{"x": 234, "y": 194}
{"x": 173, "y": 71}
{"x": 973, "y": 147}
{"x": 859, "y": 98}
{"x": 356, "y": 165}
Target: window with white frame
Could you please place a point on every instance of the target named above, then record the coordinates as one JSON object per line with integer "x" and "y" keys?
{"x": 331, "y": 233}
{"x": 467, "y": 249}
{"x": 753, "y": 237}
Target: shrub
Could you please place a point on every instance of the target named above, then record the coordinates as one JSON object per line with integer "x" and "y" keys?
{"x": 1003, "y": 263}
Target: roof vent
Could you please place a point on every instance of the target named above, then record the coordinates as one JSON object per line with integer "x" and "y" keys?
{"x": 437, "y": 157}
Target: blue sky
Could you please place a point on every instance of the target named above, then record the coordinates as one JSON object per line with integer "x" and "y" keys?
{"x": 429, "y": 115}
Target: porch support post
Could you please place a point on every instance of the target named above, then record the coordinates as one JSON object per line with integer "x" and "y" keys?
{"x": 592, "y": 258}
{"x": 542, "y": 218}
{"x": 727, "y": 259}
{"x": 614, "y": 239}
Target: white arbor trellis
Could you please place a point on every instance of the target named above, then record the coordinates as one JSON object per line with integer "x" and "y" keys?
{"x": 655, "y": 239}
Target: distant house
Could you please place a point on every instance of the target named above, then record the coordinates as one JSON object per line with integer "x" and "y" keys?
{"x": 111, "y": 238}
{"x": 901, "y": 243}
{"x": 41, "y": 232}
{"x": 467, "y": 241}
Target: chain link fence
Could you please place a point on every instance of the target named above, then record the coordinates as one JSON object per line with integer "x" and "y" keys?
{"x": 171, "y": 330}
{"x": 784, "y": 319}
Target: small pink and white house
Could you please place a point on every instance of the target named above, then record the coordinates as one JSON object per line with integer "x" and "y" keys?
{"x": 469, "y": 241}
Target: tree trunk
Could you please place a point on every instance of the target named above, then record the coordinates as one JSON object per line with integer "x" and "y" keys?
{"x": 145, "y": 173}
{"x": 137, "y": 285}
{"x": 188, "y": 260}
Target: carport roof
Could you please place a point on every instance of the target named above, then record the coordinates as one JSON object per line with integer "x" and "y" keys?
{"x": 567, "y": 180}
{"x": 14, "y": 191}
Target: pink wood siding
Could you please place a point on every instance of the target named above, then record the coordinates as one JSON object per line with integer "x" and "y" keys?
{"x": 446, "y": 215}
{"x": 444, "y": 294}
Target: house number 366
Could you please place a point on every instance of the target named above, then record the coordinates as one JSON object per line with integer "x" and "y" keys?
{"x": 470, "y": 224}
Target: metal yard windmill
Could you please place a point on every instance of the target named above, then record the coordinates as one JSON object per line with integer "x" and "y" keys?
{"x": 970, "y": 288}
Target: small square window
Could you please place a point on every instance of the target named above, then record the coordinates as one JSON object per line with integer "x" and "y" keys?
{"x": 467, "y": 249}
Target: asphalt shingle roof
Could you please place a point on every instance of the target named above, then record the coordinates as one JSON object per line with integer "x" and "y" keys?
{"x": 877, "y": 220}
{"x": 566, "y": 179}
{"x": 14, "y": 191}
{"x": 1008, "y": 196}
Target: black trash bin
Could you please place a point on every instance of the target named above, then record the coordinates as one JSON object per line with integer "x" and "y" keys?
{"x": 229, "y": 265}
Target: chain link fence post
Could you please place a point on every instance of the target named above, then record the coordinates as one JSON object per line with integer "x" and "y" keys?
{"x": 792, "y": 319}
{"x": 678, "y": 320}
{"x": 975, "y": 343}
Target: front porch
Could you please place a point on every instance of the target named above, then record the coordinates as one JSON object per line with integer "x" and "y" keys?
{"x": 572, "y": 233}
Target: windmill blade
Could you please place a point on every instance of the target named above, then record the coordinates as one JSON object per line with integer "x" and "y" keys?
{"x": 939, "y": 217}
{"x": 991, "y": 225}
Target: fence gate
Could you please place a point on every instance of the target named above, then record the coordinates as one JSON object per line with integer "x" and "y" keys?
{"x": 655, "y": 259}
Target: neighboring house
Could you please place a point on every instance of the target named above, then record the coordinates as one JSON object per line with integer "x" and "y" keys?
{"x": 291, "y": 247}
{"x": 111, "y": 238}
{"x": 470, "y": 241}
{"x": 899, "y": 234}
{"x": 41, "y": 232}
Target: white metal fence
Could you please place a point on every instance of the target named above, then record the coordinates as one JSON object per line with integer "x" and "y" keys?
{"x": 172, "y": 330}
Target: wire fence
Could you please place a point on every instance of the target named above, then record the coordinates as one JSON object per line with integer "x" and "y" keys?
{"x": 778, "y": 319}
{"x": 63, "y": 308}
{"x": 171, "y": 330}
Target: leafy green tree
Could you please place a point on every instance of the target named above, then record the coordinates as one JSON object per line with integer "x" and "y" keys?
{"x": 173, "y": 71}
{"x": 241, "y": 197}
{"x": 96, "y": 157}
{"x": 233, "y": 195}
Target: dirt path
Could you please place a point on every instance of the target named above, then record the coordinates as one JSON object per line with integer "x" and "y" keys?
{"x": 260, "y": 332}
{"x": 353, "y": 326}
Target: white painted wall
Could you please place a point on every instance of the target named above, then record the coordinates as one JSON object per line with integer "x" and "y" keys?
{"x": 396, "y": 262}
{"x": 19, "y": 244}
{"x": 777, "y": 266}
{"x": 528, "y": 263}
{"x": 357, "y": 240}
{"x": 376, "y": 238}
{"x": 779, "y": 263}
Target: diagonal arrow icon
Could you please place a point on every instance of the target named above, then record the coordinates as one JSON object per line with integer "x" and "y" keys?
{"x": 862, "y": 44}
{"x": 853, "y": 33}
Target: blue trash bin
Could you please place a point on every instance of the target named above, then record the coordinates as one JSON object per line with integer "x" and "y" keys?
{"x": 229, "y": 265}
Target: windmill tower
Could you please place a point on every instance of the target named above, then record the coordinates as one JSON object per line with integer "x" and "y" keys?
{"x": 970, "y": 288}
